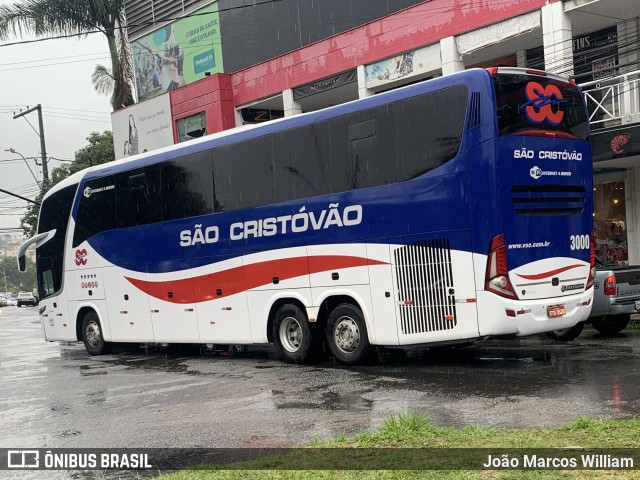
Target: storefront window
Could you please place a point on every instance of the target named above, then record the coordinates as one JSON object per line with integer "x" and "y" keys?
{"x": 610, "y": 222}
{"x": 194, "y": 126}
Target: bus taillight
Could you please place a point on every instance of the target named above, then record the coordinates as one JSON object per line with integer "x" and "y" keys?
{"x": 497, "y": 276}
{"x": 592, "y": 261}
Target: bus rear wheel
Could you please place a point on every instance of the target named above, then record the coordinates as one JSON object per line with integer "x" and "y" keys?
{"x": 346, "y": 334}
{"x": 92, "y": 335}
{"x": 566, "y": 334}
{"x": 293, "y": 336}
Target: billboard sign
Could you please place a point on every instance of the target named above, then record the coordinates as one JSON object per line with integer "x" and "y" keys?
{"x": 405, "y": 66}
{"x": 142, "y": 127}
{"x": 178, "y": 53}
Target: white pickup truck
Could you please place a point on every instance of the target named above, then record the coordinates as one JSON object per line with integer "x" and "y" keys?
{"x": 615, "y": 298}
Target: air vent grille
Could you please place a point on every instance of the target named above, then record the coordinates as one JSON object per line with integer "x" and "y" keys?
{"x": 548, "y": 200}
{"x": 426, "y": 298}
{"x": 474, "y": 111}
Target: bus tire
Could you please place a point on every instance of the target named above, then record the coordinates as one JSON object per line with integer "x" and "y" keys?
{"x": 346, "y": 335}
{"x": 611, "y": 324}
{"x": 92, "y": 335}
{"x": 293, "y": 336}
{"x": 566, "y": 334}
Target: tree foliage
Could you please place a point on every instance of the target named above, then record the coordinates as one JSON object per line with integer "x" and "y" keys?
{"x": 11, "y": 280}
{"x": 98, "y": 151}
{"x": 72, "y": 17}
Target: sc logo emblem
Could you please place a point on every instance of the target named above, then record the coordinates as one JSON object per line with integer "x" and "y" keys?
{"x": 81, "y": 257}
{"x": 23, "y": 459}
{"x": 541, "y": 102}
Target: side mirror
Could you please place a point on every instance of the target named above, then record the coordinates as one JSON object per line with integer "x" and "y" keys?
{"x": 22, "y": 263}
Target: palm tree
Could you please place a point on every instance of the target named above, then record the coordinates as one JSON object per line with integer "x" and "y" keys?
{"x": 69, "y": 17}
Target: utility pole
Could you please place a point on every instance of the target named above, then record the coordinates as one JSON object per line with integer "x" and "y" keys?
{"x": 43, "y": 148}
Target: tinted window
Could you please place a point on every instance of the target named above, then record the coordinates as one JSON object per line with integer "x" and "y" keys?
{"x": 138, "y": 197}
{"x": 54, "y": 214}
{"x": 371, "y": 136}
{"x": 429, "y": 129}
{"x": 529, "y": 104}
{"x": 244, "y": 174}
{"x": 187, "y": 187}
{"x": 302, "y": 163}
{"x": 97, "y": 209}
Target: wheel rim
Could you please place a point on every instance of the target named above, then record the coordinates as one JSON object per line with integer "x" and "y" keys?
{"x": 291, "y": 334}
{"x": 93, "y": 334}
{"x": 346, "y": 334}
{"x": 562, "y": 331}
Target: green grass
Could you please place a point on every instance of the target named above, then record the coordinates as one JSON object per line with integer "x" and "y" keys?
{"x": 414, "y": 431}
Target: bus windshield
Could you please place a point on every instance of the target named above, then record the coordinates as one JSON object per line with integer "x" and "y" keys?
{"x": 539, "y": 105}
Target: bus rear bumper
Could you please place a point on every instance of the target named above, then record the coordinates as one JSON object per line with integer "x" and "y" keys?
{"x": 530, "y": 317}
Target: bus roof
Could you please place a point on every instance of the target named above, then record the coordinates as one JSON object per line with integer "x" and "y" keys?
{"x": 253, "y": 131}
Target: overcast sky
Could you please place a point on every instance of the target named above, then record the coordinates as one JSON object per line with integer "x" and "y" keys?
{"x": 57, "y": 75}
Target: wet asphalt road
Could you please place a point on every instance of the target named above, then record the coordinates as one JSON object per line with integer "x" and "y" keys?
{"x": 54, "y": 395}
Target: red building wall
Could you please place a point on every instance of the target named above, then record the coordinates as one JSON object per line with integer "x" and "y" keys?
{"x": 213, "y": 95}
{"x": 408, "y": 29}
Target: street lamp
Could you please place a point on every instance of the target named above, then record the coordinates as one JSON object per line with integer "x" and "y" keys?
{"x": 14, "y": 151}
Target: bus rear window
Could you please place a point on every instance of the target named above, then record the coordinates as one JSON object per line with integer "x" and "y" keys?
{"x": 536, "y": 105}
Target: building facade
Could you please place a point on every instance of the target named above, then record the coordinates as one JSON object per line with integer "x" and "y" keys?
{"x": 204, "y": 67}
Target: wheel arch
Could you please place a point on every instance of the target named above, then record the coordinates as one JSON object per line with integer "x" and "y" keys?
{"x": 275, "y": 305}
{"x": 82, "y": 310}
{"x": 333, "y": 299}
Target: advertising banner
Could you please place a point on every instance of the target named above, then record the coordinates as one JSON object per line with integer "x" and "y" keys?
{"x": 407, "y": 65}
{"x": 615, "y": 143}
{"x": 178, "y": 54}
{"x": 142, "y": 127}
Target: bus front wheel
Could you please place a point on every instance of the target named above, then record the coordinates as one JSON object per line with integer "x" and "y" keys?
{"x": 92, "y": 335}
{"x": 346, "y": 334}
{"x": 293, "y": 336}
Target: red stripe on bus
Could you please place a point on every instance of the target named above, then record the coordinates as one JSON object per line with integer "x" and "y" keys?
{"x": 240, "y": 279}
{"x": 540, "y": 276}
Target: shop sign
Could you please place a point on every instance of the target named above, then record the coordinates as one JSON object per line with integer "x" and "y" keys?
{"x": 324, "y": 85}
{"x": 619, "y": 143}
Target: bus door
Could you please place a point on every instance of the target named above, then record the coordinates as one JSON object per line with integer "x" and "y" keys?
{"x": 54, "y": 309}
{"x": 434, "y": 287}
{"x": 172, "y": 303}
{"x": 128, "y": 306}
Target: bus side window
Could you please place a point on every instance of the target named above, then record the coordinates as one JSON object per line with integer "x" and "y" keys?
{"x": 301, "y": 163}
{"x": 429, "y": 129}
{"x": 187, "y": 187}
{"x": 138, "y": 197}
{"x": 96, "y": 212}
{"x": 244, "y": 174}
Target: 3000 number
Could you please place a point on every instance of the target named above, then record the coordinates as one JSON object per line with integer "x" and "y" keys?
{"x": 579, "y": 242}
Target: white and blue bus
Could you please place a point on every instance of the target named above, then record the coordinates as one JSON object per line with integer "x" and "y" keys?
{"x": 437, "y": 213}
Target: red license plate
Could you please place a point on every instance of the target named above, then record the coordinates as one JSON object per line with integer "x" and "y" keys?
{"x": 556, "y": 311}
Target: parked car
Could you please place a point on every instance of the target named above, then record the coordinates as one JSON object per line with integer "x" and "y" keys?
{"x": 616, "y": 297}
{"x": 3, "y": 301}
{"x": 12, "y": 302}
{"x": 26, "y": 298}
